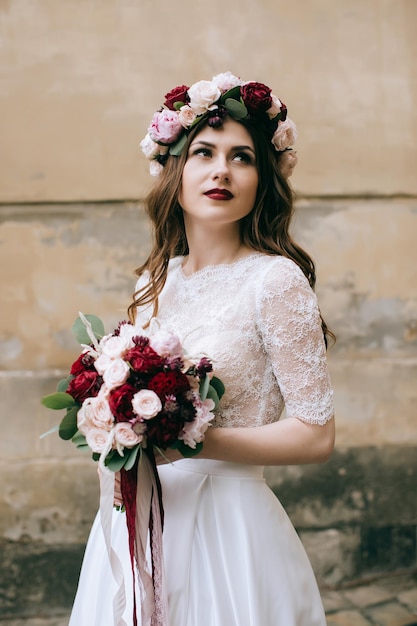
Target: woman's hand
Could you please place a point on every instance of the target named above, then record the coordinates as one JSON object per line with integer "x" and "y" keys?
{"x": 118, "y": 500}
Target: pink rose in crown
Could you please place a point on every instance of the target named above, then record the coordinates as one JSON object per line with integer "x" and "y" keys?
{"x": 285, "y": 135}
{"x": 178, "y": 94}
{"x": 186, "y": 115}
{"x": 256, "y": 96}
{"x": 165, "y": 127}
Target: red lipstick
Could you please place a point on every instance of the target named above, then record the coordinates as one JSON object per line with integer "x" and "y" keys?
{"x": 219, "y": 194}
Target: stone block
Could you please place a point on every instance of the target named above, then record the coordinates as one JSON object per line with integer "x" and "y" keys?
{"x": 348, "y": 618}
{"x": 333, "y": 554}
{"x": 53, "y": 503}
{"x": 41, "y": 580}
{"x": 391, "y": 614}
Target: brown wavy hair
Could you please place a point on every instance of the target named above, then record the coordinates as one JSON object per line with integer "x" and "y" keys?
{"x": 265, "y": 229}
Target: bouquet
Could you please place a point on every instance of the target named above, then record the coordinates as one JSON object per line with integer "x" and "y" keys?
{"x": 130, "y": 389}
{"x": 128, "y": 393}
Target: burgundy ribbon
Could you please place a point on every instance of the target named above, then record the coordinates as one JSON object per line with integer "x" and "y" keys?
{"x": 142, "y": 497}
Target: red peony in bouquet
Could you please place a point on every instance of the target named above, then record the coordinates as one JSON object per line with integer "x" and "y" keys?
{"x": 131, "y": 389}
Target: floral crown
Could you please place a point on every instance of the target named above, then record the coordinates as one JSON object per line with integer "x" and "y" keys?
{"x": 214, "y": 99}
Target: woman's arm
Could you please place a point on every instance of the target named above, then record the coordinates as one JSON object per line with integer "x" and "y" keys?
{"x": 288, "y": 442}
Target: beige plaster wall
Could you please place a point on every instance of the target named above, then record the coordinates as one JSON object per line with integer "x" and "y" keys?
{"x": 79, "y": 81}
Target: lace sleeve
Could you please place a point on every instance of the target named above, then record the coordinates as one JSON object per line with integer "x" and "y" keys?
{"x": 290, "y": 325}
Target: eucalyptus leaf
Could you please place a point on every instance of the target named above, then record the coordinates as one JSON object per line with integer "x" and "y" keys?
{"x": 218, "y": 386}
{"x": 50, "y": 431}
{"x": 177, "y": 147}
{"x": 212, "y": 395}
{"x": 131, "y": 457}
{"x": 115, "y": 462}
{"x": 95, "y": 456}
{"x": 178, "y": 104}
{"x": 80, "y": 333}
{"x": 204, "y": 385}
{"x": 236, "y": 109}
{"x": 68, "y": 426}
{"x": 63, "y": 383}
{"x": 233, "y": 93}
{"x": 58, "y": 400}
{"x": 79, "y": 439}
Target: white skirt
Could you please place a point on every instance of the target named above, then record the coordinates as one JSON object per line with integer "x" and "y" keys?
{"x": 232, "y": 556}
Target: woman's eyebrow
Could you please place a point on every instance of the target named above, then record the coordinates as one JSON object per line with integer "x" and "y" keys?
{"x": 207, "y": 144}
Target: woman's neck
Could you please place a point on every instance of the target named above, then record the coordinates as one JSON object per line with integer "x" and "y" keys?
{"x": 213, "y": 248}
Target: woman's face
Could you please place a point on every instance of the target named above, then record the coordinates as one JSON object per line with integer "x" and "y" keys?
{"x": 220, "y": 177}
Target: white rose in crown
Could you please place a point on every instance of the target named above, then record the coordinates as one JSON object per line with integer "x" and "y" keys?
{"x": 146, "y": 404}
{"x": 226, "y": 81}
{"x": 150, "y": 148}
{"x": 116, "y": 374}
{"x": 155, "y": 168}
{"x": 203, "y": 95}
{"x": 285, "y": 135}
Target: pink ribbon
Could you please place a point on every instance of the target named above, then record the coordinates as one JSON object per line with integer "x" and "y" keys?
{"x": 106, "y": 513}
{"x": 154, "y": 600}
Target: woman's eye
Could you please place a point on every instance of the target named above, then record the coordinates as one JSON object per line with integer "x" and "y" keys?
{"x": 243, "y": 157}
{"x": 205, "y": 152}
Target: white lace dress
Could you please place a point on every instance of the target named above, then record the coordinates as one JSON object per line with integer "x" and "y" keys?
{"x": 232, "y": 555}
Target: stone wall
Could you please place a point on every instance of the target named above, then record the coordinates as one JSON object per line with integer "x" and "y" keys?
{"x": 78, "y": 84}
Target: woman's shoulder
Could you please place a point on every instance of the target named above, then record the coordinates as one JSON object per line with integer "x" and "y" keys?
{"x": 281, "y": 278}
{"x": 279, "y": 269}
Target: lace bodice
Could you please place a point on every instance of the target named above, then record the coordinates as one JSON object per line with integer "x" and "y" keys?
{"x": 257, "y": 319}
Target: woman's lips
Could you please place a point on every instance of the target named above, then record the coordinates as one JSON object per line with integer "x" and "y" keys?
{"x": 219, "y": 194}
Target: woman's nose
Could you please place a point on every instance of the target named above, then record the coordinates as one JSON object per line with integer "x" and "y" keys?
{"x": 221, "y": 169}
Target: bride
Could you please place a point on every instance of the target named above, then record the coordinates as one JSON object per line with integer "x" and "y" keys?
{"x": 225, "y": 275}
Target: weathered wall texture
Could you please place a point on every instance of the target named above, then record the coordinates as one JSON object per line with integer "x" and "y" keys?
{"x": 78, "y": 83}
